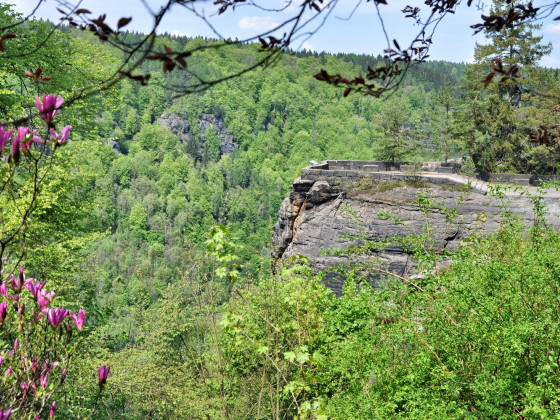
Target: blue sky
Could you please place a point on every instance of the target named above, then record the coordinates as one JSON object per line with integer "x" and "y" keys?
{"x": 358, "y": 33}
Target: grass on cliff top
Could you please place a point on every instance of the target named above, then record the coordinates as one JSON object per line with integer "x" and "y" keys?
{"x": 371, "y": 186}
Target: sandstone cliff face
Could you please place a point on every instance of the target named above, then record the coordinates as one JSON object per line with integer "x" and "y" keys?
{"x": 315, "y": 218}
{"x": 180, "y": 127}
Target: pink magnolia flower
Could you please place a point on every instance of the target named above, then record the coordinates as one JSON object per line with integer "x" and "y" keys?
{"x": 4, "y": 136}
{"x": 56, "y": 316}
{"x": 64, "y": 134}
{"x": 44, "y": 380}
{"x": 44, "y": 298}
{"x": 42, "y": 301}
{"x": 15, "y": 344}
{"x": 48, "y": 369}
{"x": 14, "y": 157}
{"x": 79, "y": 320}
{"x": 63, "y": 376}
{"x": 9, "y": 371}
{"x": 34, "y": 287}
{"x": 26, "y": 139}
{"x": 16, "y": 284}
{"x": 3, "y": 311}
{"x": 20, "y": 280}
{"x": 3, "y": 289}
{"x": 51, "y": 104}
{"x": 51, "y": 412}
{"x": 5, "y": 414}
{"x": 103, "y": 372}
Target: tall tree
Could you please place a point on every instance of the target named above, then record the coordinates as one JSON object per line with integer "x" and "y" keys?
{"x": 440, "y": 121}
{"x": 501, "y": 113}
{"x": 398, "y": 140}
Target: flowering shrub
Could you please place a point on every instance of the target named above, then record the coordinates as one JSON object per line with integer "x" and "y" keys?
{"x": 37, "y": 338}
{"x": 37, "y": 344}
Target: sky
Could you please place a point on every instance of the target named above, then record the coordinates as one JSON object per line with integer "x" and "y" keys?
{"x": 345, "y": 30}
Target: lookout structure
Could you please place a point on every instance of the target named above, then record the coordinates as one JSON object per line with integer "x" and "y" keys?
{"x": 314, "y": 220}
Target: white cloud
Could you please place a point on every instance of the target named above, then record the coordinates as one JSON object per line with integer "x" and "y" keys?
{"x": 552, "y": 28}
{"x": 177, "y": 32}
{"x": 257, "y": 23}
{"x": 307, "y": 46}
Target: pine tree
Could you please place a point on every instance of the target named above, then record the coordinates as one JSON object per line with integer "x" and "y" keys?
{"x": 495, "y": 119}
{"x": 440, "y": 121}
{"x": 399, "y": 140}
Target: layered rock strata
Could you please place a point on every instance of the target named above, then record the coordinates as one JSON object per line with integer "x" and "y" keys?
{"x": 330, "y": 211}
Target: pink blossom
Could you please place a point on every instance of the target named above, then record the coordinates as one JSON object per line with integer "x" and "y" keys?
{"x": 16, "y": 284}
{"x": 103, "y": 372}
{"x": 9, "y": 371}
{"x": 51, "y": 412}
{"x": 3, "y": 311}
{"x": 26, "y": 139}
{"x": 63, "y": 376}
{"x": 51, "y": 104}
{"x": 15, "y": 344}
{"x": 15, "y": 151}
{"x": 79, "y": 320}
{"x": 3, "y": 289}
{"x": 44, "y": 380}
{"x": 48, "y": 369}
{"x": 21, "y": 275}
{"x": 64, "y": 134}
{"x": 44, "y": 298}
{"x": 56, "y": 316}
{"x": 42, "y": 301}
{"x": 5, "y": 414}
{"x": 34, "y": 287}
{"x": 4, "y": 136}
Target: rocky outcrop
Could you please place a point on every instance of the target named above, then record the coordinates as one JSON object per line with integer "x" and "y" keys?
{"x": 227, "y": 141}
{"x": 177, "y": 125}
{"x": 114, "y": 145}
{"x": 324, "y": 215}
{"x": 180, "y": 127}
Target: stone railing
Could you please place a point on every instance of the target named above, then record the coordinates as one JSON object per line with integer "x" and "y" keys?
{"x": 345, "y": 171}
{"x": 520, "y": 179}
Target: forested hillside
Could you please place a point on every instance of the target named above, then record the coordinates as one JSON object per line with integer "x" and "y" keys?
{"x": 153, "y": 213}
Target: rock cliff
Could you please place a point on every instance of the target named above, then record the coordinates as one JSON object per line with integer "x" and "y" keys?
{"x": 335, "y": 212}
{"x": 180, "y": 127}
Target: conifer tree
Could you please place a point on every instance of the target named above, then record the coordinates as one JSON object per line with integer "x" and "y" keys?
{"x": 399, "y": 140}
{"x": 494, "y": 120}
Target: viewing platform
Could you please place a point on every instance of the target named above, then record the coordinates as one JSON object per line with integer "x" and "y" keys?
{"x": 343, "y": 172}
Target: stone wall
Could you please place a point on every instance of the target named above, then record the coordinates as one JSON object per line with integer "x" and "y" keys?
{"x": 351, "y": 170}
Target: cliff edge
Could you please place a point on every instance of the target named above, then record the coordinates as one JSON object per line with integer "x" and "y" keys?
{"x": 338, "y": 205}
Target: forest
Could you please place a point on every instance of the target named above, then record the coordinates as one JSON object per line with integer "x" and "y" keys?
{"x": 148, "y": 217}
